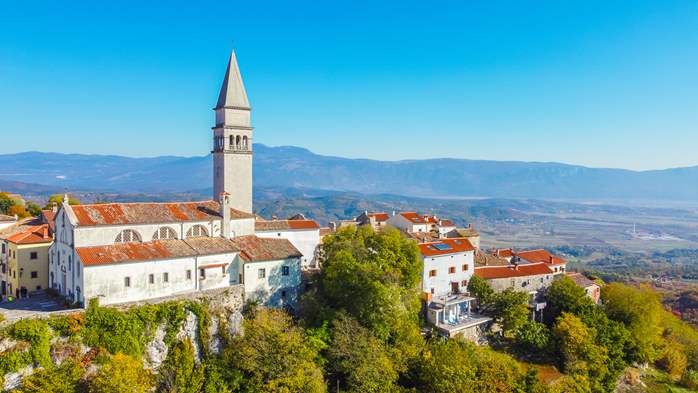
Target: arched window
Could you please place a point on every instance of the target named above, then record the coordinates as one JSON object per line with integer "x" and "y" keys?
{"x": 244, "y": 142}
{"x": 232, "y": 142}
{"x": 128, "y": 236}
{"x": 197, "y": 231}
{"x": 164, "y": 233}
{"x": 237, "y": 141}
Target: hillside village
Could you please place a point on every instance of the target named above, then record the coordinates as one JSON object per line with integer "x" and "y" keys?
{"x": 103, "y": 257}
{"x": 130, "y": 252}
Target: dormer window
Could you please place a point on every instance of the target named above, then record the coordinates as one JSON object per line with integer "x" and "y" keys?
{"x": 164, "y": 233}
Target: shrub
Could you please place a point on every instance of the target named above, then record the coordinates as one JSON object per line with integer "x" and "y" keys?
{"x": 37, "y": 333}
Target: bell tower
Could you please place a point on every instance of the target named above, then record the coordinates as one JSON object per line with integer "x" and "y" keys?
{"x": 232, "y": 141}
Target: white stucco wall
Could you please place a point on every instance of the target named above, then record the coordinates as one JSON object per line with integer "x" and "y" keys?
{"x": 306, "y": 241}
{"x": 268, "y": 290}
{"x": 400, "y": 222}
{"x": 441, "y": 283}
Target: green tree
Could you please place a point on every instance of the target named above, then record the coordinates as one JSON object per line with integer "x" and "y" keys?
{"x": 62, "y": 379}
{"x": 357, "y": 361}
{"x": 5, "y": 203}
{"x": 374, "y": 278}
{"x": 640, "y": 311}
{"x": 481, "y": 290}
{"x": 566, "y": 296}
{"x": 510, "y": 309}
{"x": 180, "y": 373}
{"x": 58, "y": 199}
{"x": 273, "y": 356}
{"x": 33, "y": 209}
{"x": 532, "y": 338}
{"x": 448, "y": 366}
{"x": 122, "y": 374}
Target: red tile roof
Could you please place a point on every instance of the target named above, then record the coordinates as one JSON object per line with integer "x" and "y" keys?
{"x": 506, "y": 253}
{"x": 447, "y": 223}
{"x": 150, "y": 213}
{"x": 455, "y": 245}
{"x": 528, "y": 269}
{"x": 49, "y": 217}
{"x": 31, "y": 235}
{"x": 413, "y": 217}
{"x": 379, "y": 217}
{"x": 134, "y": 252}
{"x": 284, "y": 225}
{"x": 541, "y": 256}
{"x": 258, "y": 249}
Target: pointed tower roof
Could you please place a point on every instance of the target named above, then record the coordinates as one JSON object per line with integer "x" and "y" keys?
{"x": 232, "y": 91}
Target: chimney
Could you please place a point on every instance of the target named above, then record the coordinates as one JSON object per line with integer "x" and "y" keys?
{"x": 274, "y": 217}
{"x": 470, "y": 226}
{"x": 551, "y": 259}
{"x": 225, "y": 214}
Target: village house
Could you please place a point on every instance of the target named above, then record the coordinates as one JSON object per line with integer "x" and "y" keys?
{"x": 448, "y": 267}
{"x": 409, "y": 222}
{"x": 24, "y": 250}
{"x": 304, "y": 234}
{"x": 377, "y": 221}
{"x": 556, "y": 264}
{"x": 592, "y": 289}
{"x": 469, "y": 233}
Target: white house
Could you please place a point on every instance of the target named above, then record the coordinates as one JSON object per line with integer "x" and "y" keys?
{"x": 448, "y": 266}
{"x": 409, "y": 222}
{"x": 7, "y": 221}
{"x": 270, "y": 270}
{"x": 303, "y": 234}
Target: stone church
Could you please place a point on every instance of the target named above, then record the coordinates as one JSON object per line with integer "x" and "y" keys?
{"x": 125, "y": 252}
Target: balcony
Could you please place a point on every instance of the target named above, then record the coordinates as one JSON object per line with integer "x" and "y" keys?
{"x": 452, "y": 316}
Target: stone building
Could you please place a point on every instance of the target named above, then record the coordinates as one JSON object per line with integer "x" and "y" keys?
{"x": 24, "y": 251}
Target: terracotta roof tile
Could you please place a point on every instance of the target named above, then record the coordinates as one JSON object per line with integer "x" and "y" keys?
{"x": 445, "y": 247}
{"x": 529, "y": 269}
{"x": 541, "y": 256}
{"x": 284, "y": 225}
{"x": 31, "y": 235}
{"x": 135, "y": 252}
{"x": 49, "y": 217}
{"x": 413, "y": 217}
{"x": 150, "y": 213}
{"x": 257, "y": 249}
{"x": 379, "y": 217}
{"x": 487, "y": 259}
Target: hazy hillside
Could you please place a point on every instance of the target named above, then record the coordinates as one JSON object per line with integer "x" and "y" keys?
{"x": 297, "y": 167}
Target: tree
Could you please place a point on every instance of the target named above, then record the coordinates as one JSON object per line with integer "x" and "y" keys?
{"x": 459, "y": 366}
{"x": 480, "y": 289}
{"x": 62, "y": 379}
{"x": 510, "y": 309}
{"x": 58, "y": 199}
{"x": 18, "y": 210}
{"x": 372, "y": 277}
{"x": 566, "y": 296}
{"x": 358, "y": 361}
{"x": 272, "y": 355}
{"x": 673, "y": 359}
{"x": 180, "y": 373}
{"x": 5, "y": 203}
{"x": 122, "y": 374}
{"x": 640, "y": 311}
{"x": 33, "y": 209}
{"x": 532, "y": 338}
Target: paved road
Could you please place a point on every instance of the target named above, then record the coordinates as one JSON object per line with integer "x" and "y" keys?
{"x": 32, "y": 306}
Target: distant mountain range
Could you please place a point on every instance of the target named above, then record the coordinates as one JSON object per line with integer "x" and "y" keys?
{"x": 293, "y": 167}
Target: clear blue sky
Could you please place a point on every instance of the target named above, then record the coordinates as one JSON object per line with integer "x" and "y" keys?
{"x": 598, "y": 83}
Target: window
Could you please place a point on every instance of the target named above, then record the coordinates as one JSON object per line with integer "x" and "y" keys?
{"x": 38, "y": 287}
{"x": 465, "y": 268}
{"x": 261, "y": 273}
{"x": 165, "y": 277}
{"x": 432, "y": 291}
{"x": 127, "y": 282}
{"x": 188, "y": 274}
{"x": 3, "y": 248}
{"x": 283, "y": 294}
{"x": 197, "y": 231}
{"x": 432, "y": 273}
{"x": 451, "y": 270}
{"x": 541, "y": 280}
{"x": 33, "y": 255}
{"x": 223, "y": 269}
{"x": 464, "y": 283}
{"x": 202, "y": 274}
{"x": 285, "y": 270}
{"x": 164, "y": 233}
{"x": 128, "y": 236}
{"x": 151, "y": 278}
{"x": 34, "y": 274}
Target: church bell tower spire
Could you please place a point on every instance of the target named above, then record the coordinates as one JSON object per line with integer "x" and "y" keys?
{"x": 232, "y": 141}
